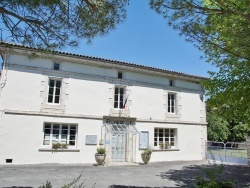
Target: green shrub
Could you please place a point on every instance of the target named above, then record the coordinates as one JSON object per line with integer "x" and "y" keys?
{"x": 212, "y": 176}
{"x": 101, "y": 150}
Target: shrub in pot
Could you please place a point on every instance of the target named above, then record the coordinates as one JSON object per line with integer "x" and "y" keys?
{"x": 146, "y": 155}
{"x": 100, "y": 155}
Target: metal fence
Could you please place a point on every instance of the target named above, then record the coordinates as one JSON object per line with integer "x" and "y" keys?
{"x": 232, "y": 152}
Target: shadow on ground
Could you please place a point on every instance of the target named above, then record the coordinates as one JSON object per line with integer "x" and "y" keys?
{"x": 17, "y": 187}
{"x": 128, "y": 186}
{"x": 239, "y": 175}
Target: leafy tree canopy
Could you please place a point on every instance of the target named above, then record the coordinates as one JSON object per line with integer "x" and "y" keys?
{"x": 221, "y": 29}
{"x": 223, "y": 130}
{"x": 57, "y": 23}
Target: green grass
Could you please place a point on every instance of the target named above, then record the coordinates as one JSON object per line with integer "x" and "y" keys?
{"x": 229, "y": 152}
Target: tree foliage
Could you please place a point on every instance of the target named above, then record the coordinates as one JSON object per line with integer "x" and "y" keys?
{"x": 223, "y": 130}
{"x": 57, "y": 23}
{"x": 221, "y": 29}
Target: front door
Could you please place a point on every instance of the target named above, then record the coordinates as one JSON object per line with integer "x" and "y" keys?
{"x": 118, "y": 147}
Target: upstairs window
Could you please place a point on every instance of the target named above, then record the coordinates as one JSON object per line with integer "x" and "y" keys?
{"x": 171, "y": 82}
{"x": 54, "y": 91}
{"x": 171, "y": 103}
{"x": 56, "y": 66}
{"x": 120, "y": 75}
{"x": 119, "y": 97}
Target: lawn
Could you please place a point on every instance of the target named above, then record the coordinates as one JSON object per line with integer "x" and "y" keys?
{"x": 229, "y": 152}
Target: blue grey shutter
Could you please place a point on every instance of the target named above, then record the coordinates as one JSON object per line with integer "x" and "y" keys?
{"x": 143, "y": 142}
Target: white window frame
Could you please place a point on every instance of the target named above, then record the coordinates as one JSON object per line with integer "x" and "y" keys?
{"x": 171, "y": 82}
{"x": 49, "y": 137}
{"x": 171, "y": 103}
{"x": 171, "y": 137}
{"x": 120, "y": 72}
{"x": 54, "y": 91}
{"x": 54, "y": 66}
{"x": 120, "y": 103}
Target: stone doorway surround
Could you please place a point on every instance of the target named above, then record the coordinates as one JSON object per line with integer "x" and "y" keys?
{"x": 120, "y": 125}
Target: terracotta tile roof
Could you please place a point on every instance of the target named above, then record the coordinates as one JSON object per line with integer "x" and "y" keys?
{"x": 110, "y": 61}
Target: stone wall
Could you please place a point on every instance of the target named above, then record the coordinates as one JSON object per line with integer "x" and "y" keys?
{"x": 248, "y": 150}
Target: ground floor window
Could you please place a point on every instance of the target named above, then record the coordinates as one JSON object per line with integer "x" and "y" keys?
{"x": 163, "y": 136}
{"x": 62, "y": 133}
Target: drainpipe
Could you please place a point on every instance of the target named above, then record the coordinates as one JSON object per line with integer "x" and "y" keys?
{"x": 4, "y": 74}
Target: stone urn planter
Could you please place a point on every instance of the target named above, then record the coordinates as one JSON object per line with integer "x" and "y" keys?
{"x": 100, "y": 156}
{"x": 146, "y": 155}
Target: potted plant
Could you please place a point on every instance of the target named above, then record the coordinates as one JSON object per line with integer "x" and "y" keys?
{"x": 100, "y": 155}
{"x": 146, "y": 155}
{"x": 56, "y": 145}
{"x": 167, "y": 146}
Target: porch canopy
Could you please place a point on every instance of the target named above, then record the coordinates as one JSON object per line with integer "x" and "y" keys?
{"x": 120, "y": 125}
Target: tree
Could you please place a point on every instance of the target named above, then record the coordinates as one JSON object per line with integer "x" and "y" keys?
{"x": 223, "y": 130}
{"x": 217, "y": 128}
{"x": 221, "y": 30}
{"x": 57, "y": 23}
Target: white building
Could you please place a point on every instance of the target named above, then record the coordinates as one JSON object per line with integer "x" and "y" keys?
{"x": 88, "y": 102}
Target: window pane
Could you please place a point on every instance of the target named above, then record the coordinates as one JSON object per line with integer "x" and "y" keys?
{"x": 116, "y": 105}
{"x": 55, "y": 136}
{"x": 46, "y": 142}
{"x": 47, "y": 131}
{"x": 72, "y": 137}
{"x": 57, "y": 99}
{"x": 51, "y": 83}
{"x": 50, "y": 99}
{"x": 72, "y": 132}
{"x": 172, "y": 109}
{"x": 65, "y": 127}
{"x": 47, "y": 126}
{"x": 57, "y": 91}
{"x": 116, "y": 90}
{"x": 55, "y": 131}
{"x": 56, "y": 66}
{"x": 58, "y": 83}
{"x": 46, "y": 136}
{"x": 72, "y": 143}
{"x": 155, "y": 143}
{"x": 160, "y": 139}
{"x": 160, "y": 134}
{"x": 116, "y": 97}
{"x": 64, "y": 137}
{"x": 121, "y": 91}
{"x": 64, "y": 131}
{"x": 121, "y": 105}
{"x": 73, "y": 127}
{"x": 51, "y": 90}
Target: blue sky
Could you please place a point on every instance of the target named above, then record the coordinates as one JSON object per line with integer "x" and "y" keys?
{"x": 146, "y": 39}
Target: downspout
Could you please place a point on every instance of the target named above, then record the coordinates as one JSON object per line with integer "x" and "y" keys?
{"x": 4, "y": 73}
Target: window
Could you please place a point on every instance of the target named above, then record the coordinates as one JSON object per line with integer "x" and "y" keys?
{"x": 171, "y": 82}
{"x": 63, "y": 133}
{"x": 171, "y": 103}
{"x": 119, "y": 97}
{"x": 56, "y": 66}
{"x": 120, "y": 75}
{"x": 164, "y": 136}
{"x": 54, "y": 91}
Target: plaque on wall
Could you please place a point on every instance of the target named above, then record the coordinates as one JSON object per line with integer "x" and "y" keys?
{"x": 91, "y": 140}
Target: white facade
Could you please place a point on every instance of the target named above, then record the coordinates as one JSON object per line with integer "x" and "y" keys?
{"x": 80, "y": 105}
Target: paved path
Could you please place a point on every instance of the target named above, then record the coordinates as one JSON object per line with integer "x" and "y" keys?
{"x": 157, "y": 175}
